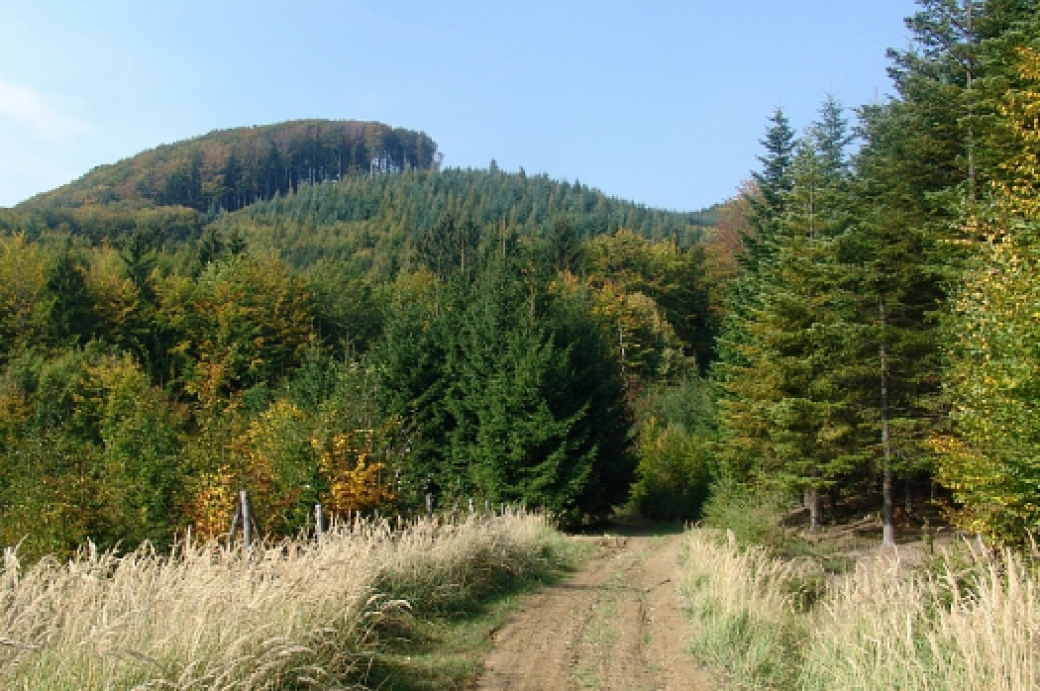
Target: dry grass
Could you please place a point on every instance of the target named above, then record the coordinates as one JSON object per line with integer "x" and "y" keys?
{"x": 742, "y": 608}
{"x": 970, "y": 621}
{"x": 293, "y": 615}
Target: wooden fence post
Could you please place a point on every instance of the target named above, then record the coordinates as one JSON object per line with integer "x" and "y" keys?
{"x": 247, "y": 520}
{"x": 319, "y": 522}
{"x": 235, "y": 518}
{"x": 429, "y": 505}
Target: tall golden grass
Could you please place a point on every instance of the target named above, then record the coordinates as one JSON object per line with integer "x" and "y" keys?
{"x": 967, "y": 622}
{"x": 970, "y": 623}
{"x": 744, "y": 618}
{"x": 291, "y": 615}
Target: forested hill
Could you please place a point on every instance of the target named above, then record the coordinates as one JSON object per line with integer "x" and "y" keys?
{"x": 364, "y": 193}
{"x": 228, "y": 169}
{"x": 377, "y": 220}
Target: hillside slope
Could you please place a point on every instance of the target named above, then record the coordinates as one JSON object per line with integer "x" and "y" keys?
{"x": 380, "y": 219}
{"x": 228, "y": 169}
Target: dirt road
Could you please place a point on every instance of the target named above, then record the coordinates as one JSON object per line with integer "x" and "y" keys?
{"x": 615, "y": 624}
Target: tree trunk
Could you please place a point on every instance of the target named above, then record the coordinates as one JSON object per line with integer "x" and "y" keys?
{"x": 908, "y": 495}
{"x": 812, "y": 502}
{"x": 888, "y": 538}
{"x": 969, "y": 69}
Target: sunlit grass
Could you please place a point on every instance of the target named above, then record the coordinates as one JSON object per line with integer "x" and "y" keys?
{"x": 970, "y": 621}
{"x": 292, "y": 615}
{"x": 744, "y": 620}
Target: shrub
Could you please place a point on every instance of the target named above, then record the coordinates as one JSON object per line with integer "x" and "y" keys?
{"x": 672, "y": 475}
{"x": 753, "y": 518}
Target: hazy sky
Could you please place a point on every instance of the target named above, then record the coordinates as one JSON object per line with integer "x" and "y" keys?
{"x": 657, "y": 101}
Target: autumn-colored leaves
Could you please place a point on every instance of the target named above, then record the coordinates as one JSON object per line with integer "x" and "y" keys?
{"x": 990, "y": 460}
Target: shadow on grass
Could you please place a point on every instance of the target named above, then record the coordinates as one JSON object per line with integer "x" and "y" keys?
{"x": 433, "y": 652}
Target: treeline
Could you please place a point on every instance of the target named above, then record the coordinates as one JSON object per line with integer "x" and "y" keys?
{"x": 226, "y": 170}
{"x": 882, "y": 333}
{"x": 380, "y": 223}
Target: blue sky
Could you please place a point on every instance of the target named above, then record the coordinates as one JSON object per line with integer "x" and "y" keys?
{"x": 657, "y": 101}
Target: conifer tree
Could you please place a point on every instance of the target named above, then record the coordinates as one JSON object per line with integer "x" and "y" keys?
{"x": 512, "y": 392}
{"x": 71, "y": 312}
{"x": 781, "y": 407}
{"x": 922, "y": 161}
{"x": 769, "y": 198}
{"x": 745, "y": 388}
{"x": 811, "y": 422}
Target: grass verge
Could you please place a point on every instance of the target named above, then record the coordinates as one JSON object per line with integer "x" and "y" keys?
{"x": 440, "y": 645}
{"x": 439, "y": 652}
{"x": 293, "y": 615}
{"x": 965, "y": 622}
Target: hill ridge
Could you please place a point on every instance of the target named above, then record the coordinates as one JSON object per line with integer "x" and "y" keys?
{"x": 227, "y": 169}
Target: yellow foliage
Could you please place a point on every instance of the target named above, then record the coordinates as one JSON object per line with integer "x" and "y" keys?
{"x": 212, "y": 504}
{"x": 355, "y": 483}
{"x": 14, "y": 410}
{"x": 1021, "y": 113}
{"x": 261, "y": 451}
{"x": 993, "y": 369}
{"x": 22, "y": 287}
{"x": 115, "y": 296}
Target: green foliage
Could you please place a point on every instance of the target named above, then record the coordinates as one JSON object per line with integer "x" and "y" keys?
{"x": 786, "y": 419}
{"x": 91, "y": 452}
{"x": 677, "y": 423}
{"x": 744, "y": 386}
{"x": 381, "y": 224}
{"x": 829, "y": 372}
{"x": 70, "y": 310}
{"x": 774, "y": 180}
{"x": 673, "y": 475}
{"x": 753, "y": 517}
{"x": 348, "y": 310}
{"x": 512, "y": 393}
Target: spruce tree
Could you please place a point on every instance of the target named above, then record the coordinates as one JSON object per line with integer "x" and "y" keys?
{"x": 744, "y": 383}
{"x": 811, "y": 421}
{"x": 889, "y": 342}
{"x": 511, "y": 391}
{"x": 926, "y": 156}
{"x": 784, "y": 424}
{"x": 774, "y": 180}
{"x": 71, "y": 319}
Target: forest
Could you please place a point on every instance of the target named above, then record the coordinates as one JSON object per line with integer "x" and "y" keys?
{"x": 356, "y": 342}
{"x": 881, "y": 336}
{"x": 318, "y": 312}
